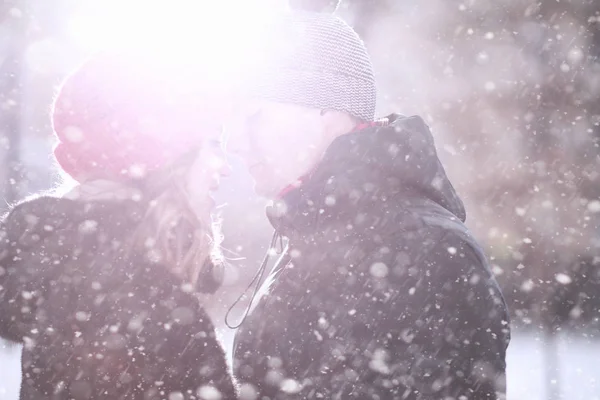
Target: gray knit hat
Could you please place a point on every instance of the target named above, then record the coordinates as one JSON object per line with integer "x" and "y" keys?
{"x": 313, "y": 58}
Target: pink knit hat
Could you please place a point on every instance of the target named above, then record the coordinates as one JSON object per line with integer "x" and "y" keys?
{"x": 121, "y": 115}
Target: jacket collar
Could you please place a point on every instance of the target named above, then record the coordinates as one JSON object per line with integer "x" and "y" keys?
{"x": 362, "y": 171}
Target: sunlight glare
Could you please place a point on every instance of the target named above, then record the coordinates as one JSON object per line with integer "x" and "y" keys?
{"x": 181, "y": 26}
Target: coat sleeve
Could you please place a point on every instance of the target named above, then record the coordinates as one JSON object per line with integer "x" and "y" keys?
{"x": 19, "y": 280}
{"x": 4, "y": 268}
{"x": 434, "y": 326}
{"x": 188, "y": 357}
{"x": 13, "y": 307}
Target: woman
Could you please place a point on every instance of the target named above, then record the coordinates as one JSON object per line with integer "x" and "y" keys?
{"x": 101, "y": 284}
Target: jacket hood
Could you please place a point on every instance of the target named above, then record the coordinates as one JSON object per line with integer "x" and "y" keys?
{"x": 397, "y": 163}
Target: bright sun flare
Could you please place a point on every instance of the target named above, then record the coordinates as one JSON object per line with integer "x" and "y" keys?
{"x": 169, "y": 26}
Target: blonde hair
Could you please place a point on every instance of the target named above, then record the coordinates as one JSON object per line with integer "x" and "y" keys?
{"x": 170, "y": 232}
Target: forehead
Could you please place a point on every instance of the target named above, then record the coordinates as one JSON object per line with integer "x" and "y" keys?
{"x": 251, "y": 105}
{"x": 275, "y": 109}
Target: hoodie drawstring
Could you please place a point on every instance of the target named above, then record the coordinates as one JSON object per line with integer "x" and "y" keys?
{"x": 258, "y": 279}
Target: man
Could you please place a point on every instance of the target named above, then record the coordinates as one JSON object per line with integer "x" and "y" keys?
{"x": 382, "y": 292}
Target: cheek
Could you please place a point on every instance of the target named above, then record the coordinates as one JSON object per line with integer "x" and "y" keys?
{"x": 214, "y": 163}
{"x": 306, "y": 146}
{"x": 197, "y": 182}
{"x": 268, "y": 145}
{"x": 200, "y": 173}
{"x": 210, "y": 161}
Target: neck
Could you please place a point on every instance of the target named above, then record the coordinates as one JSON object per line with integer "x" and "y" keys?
{"x": 336, "y": 124}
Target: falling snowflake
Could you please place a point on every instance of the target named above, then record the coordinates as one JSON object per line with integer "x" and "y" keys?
{"x": 563, "y": 279}
{"x": 248, "y": 392}
{"x": 73, "y": 134}
{"x": 208, "y": 392}
{"x": 176, "y": 396}
{"x": 290, "y": 386}
{"x": 527, "y": 286}
{"x": 379, "y": 270}
{"x": 88, "y": 226}
{"x": 594, "y": 206}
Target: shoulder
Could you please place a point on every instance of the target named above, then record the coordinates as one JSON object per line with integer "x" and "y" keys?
{"x": 37, "y": 205}
{"x": 28, "y": 214}
{"x": 58, "y": 221}
{"x": 432, "y": 252}
{"x": 443, "y": 241}
{"x": 59, "y": 211}
{"x": 458, "y": 247}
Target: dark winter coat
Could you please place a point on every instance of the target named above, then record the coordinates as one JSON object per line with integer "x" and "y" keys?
{"x": 387, "y": 295}
{"x": 96, "y": 322}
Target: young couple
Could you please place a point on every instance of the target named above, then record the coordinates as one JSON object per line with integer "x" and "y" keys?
{"x": 381, "y": 293}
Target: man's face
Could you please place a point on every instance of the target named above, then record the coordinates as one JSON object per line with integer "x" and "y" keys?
{"x": 279, "y": 143}
{"x": 206, "y": 171}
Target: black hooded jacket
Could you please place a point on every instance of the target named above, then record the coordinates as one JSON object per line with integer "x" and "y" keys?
{"x": 386, "y": 295}
{"x": 95, "y": 321}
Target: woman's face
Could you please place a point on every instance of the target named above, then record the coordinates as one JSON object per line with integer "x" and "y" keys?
{"x": 207, "y": 170}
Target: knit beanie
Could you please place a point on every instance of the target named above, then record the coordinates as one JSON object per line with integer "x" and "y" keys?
{"x": 313, "y": 58}
{"x": 123, "y": 114}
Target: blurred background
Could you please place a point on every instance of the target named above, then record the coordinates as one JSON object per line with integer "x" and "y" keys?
{"x": 511, "y": 90}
